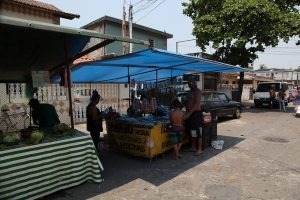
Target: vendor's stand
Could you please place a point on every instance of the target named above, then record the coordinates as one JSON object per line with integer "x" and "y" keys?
{"x": 143, "y": 136}
{"x": 33, "y": 171}
{"x": 137, "y": 136}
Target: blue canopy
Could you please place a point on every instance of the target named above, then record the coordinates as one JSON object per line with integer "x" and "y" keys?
{"x": 146, "y": 65}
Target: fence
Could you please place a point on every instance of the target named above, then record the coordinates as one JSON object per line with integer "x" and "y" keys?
{"x": 231, "y": 90}
{"x": 15, "y": 93}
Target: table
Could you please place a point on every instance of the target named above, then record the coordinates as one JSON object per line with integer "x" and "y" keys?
{"x": 31, "y": 172}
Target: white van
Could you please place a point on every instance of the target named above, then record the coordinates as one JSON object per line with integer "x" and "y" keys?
{"x": 262, "y": 95}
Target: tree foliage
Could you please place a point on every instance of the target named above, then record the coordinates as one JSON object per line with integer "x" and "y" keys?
{"x": 238, "y": 29}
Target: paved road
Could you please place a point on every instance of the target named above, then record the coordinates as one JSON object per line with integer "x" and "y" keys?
{"x": 260, "y": 160}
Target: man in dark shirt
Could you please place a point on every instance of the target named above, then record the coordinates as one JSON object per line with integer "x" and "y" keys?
{"x": 43, "y": 115}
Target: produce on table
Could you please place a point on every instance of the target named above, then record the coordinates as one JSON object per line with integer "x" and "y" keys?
{"x": 36, "y": 137}
{"x": 63, "y": 129}
{"x": 69, "y": 132}
{"x": 12, "y": 138}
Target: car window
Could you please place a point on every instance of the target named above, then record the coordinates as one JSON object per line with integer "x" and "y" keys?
{"x": 223, "y": 98}
{"x": 206, "y": 97}
{"x": 266, "y": 87}
{"x": 215, "y": 98}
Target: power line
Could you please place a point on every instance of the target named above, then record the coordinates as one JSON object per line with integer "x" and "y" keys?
{"x": 150, "y": 11}
{"x": 145, "y": 6}
{"x": 138, "y": 2}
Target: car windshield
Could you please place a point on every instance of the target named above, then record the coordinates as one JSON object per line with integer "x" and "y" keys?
{"x": 266, "y": 87}
{"x": 206, "y": 97}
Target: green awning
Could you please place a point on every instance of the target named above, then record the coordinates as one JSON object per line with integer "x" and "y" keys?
{"x": 27, "y": 46}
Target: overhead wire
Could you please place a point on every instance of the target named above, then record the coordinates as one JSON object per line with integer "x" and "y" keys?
{"x": 145, "y": 6}
{"x": 150, "y": 11}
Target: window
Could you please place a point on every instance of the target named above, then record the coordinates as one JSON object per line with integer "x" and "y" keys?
{"x": 216, "y": 98}
{"x": 206, "y": 97}
{"x": 266, "y": 87}
{"x": 223, "y": 97}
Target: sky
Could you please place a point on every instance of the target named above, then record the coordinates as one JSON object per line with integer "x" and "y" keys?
{"x": 167, "y": 15}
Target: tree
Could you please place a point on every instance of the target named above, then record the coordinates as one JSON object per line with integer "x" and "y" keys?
{"x": 238, "y": 29}
{"x": 263, "y": 66}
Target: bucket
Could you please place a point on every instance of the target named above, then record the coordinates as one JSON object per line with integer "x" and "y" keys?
{"x": 207, "y": 118}
{"x": 217, "y": 144}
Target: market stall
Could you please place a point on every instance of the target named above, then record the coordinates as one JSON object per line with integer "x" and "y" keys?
{"x": 145, "y": 135}
{"x": 32, "y": 171}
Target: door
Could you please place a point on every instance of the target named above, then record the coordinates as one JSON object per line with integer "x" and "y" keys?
{"x": 218, "y": 105}
{"x": 227, "y": 107}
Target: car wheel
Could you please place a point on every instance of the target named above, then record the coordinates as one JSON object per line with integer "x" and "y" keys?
{"x": 237, "y": 113}
{"x": 257, "y": 105}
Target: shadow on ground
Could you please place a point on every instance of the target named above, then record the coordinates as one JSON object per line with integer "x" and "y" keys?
{"x": 121, "y": 169}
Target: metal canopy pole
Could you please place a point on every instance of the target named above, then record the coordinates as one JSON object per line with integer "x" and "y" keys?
{"x": 71, "y": 114}
{"x": 129, "y": 97}
{"x": 83, "y": 53}
{"x": 156, "y": 92}
{"x": 171, "y": 88}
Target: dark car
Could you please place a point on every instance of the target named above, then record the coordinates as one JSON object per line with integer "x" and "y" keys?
{"x": 218, "y": 104}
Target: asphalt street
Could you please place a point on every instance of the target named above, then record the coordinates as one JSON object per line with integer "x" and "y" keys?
{"x": 259, "y": 160}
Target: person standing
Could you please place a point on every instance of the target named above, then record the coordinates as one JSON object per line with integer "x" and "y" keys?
{"x": 194, "y": 116}
{"x": 272, "y": 93}
{"x": 281, "y": 96}
{"x": 44, "y": 115}
{"x": 94, "y": 118}
{"x": 176, "y": 119}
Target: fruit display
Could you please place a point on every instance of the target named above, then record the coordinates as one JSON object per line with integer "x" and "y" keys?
{"x": 63, "y": 130}
{"x": 36, "y": 137}
{"x": 11, "y": 139}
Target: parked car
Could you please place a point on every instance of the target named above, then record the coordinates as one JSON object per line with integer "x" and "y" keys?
{"x": 218, "y": 103}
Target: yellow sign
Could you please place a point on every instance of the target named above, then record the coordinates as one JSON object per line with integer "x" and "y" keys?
{"x": 139, "y": 140}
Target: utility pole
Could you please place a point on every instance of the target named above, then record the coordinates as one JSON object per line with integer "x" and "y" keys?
{"x": 124, "y": 28}
{"x": 130, "y": 19}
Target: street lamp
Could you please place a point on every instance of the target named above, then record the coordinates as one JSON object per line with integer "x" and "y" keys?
{"x": 182, "y": 41}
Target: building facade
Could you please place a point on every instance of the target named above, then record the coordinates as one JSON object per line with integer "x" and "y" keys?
{"x": 113, "y": 26}
{"x": 282, "y": 75}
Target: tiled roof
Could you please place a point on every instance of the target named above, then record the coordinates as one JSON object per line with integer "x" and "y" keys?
{"x": 83, "y": 59}
{"x": 45, "y": 7}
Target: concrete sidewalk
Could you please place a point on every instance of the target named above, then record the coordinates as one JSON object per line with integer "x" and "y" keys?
{"x": 260, "y": 160}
